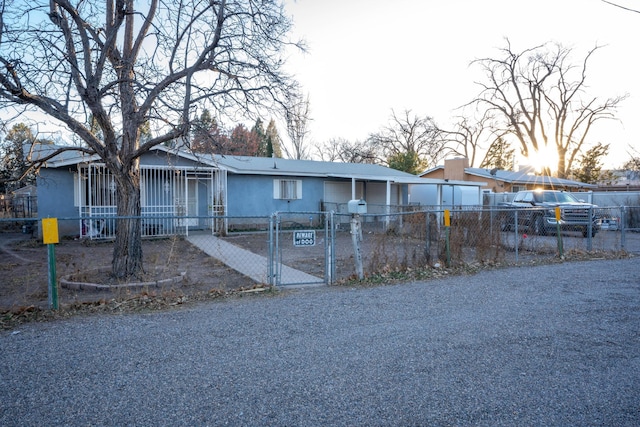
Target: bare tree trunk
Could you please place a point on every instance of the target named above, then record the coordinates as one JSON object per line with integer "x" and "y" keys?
{"x": 562, "y": 163}
{"x": 127, "y": 250}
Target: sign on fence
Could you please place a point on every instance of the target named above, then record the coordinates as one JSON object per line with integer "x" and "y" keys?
{"x": 304, "y": 238}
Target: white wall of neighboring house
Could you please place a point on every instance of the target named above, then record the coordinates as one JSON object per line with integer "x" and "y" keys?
{"x": 423, "y": 194}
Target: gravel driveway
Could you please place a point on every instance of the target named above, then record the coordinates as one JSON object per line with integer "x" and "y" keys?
{"x": 547, "y": 345}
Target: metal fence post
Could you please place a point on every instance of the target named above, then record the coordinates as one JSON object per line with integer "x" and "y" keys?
{"x": 623, "y": 226}
{"x": 328, "y": 254}
{"x": 515, "y": 232}
{"x": 278, "y": 260}
{"x": 332, "y": 233}
{"x": 590, "y": 230}
{"x": 356, "y": 238}
{"x": 427, "y": 243}
{"x": 271, "y": 261}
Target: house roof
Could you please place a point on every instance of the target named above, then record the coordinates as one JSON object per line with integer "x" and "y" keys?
{"x": 289, "y": 167}
{"x": 66, "y": 158}
{"x": 247, "y": 165}
{"x": 523, "y": 176}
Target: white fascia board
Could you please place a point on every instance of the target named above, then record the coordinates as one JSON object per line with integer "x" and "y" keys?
{"x": 71, "y": 162}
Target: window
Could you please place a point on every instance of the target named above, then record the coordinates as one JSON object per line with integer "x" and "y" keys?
{"x": 287, "y": 189}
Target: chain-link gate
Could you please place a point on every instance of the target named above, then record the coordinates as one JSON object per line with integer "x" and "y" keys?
{"x": 302, "y": 247}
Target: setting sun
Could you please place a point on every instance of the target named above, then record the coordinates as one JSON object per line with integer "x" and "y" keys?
{"x": 545, "y": 158}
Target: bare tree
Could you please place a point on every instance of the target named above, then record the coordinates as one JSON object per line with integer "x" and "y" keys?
{"x": 342, "y": 150}
{"x": 540, "y": 98}
{"x": 467, "y": 136}
{"x": 128, "y": 63}
{"x": 410, "y": 138}
{"x": 298, "y": 116}
{"x": 621, "y": 7}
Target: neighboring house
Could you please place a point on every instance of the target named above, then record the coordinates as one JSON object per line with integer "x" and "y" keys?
{"x": 20, "y": 203}
{"x": 24, "y": 202}
{"x": 182, "y": 192}
{"x": 500, "y": 181}
{"x": 621, "y": 180}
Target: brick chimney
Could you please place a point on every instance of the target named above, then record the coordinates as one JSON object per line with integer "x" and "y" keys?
{"x": 454, "y": 168}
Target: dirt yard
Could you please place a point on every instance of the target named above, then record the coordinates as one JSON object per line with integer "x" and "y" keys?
{"x": 24, "y": 271}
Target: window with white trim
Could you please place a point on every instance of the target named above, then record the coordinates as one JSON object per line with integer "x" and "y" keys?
{"x": 287, "y": 189}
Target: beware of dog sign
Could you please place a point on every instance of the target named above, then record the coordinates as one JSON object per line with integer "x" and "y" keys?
{"x": 304, "y": 237}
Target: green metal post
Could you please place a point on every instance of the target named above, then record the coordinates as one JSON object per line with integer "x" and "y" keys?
{"x": 53, "y": 285}
{"x": 448, "y": 245}
{"x": 558, "y": 219}
{"x": 560, "y": 248}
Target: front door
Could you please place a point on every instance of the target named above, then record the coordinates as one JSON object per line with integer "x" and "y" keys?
{"x": 187, "y": 202}
{"x": 192, "y": 202}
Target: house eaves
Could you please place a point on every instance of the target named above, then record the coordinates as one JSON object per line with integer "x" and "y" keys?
{"x": 290, "y": 167}
{"x": 66, "y": 158}
{"x": 433, "y": 169}
{"x": 524, "y": 177}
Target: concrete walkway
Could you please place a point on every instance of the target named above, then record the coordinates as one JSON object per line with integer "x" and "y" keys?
{"x": 246, "y": 262}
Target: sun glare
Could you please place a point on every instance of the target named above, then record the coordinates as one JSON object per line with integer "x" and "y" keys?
{"x": 544, "y": 158}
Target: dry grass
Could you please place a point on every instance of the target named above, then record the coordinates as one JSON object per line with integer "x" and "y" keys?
{"x": 24, "y": 270}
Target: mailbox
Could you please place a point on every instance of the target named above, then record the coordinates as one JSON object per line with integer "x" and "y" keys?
{"x": 357, "y": 206}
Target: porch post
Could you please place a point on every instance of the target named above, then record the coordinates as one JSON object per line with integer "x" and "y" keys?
{"x": 211, "y": 210}
{"x": 79, "y": 198}
{"x": 186, "y": 204}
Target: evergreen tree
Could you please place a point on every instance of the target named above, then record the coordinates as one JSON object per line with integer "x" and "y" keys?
{"x": 14, "y": 169}
{"x": 207, "y": 137}
{"x": 409, "y": 162}
{"x": 632, "y": 166}
{"x": 259, "y": 134}
{"x": 274, "y": 147}
{"x": 500, "y": 156}
{"x": 242, "y": 142}
{"x": 590, "y": 165}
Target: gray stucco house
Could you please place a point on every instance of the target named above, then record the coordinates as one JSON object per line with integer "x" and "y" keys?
{"x": 181, "y": 191}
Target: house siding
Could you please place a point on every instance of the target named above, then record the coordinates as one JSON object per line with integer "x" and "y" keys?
{"x": 231, "y": 186}
{"x": 252, "y": 195}
{"x": 55, "y": 198}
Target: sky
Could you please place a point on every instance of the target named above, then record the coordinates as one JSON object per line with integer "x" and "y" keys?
{"x": 368, "y": 57}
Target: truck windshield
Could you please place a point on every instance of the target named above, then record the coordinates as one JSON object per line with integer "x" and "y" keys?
{"x": 555, "y": 198}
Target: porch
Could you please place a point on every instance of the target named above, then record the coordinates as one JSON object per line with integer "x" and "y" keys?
{"x": 174, "y": 200}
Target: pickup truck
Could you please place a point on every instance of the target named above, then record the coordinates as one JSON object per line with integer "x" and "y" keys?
{"x": 536, "y": 212}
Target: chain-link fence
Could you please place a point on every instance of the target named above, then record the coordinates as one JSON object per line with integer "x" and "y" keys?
{"x": 174, "y": 265}
{"x": 296, "y": 248}
{"x": 18, "y": 206}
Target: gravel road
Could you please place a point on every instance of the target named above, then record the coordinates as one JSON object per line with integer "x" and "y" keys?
{"x": 548, "y": 345}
